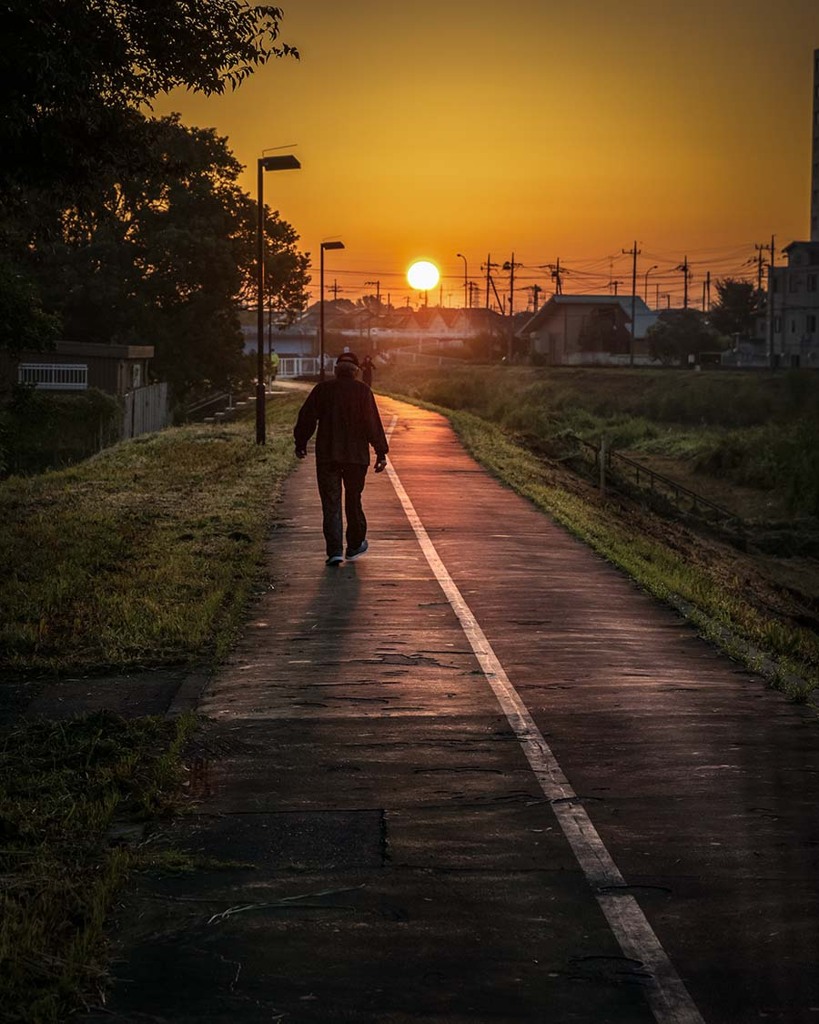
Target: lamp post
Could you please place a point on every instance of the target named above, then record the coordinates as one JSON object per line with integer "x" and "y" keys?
{"x": 647, "y": 273}
{"x": 466, "y": 280}
{"x": 322, "y": 247}
{"x": 265, "y": 163}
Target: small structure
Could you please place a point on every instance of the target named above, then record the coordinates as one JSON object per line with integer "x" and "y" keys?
{"x": 574, "y": 330}
{"x": 77, "y": 365}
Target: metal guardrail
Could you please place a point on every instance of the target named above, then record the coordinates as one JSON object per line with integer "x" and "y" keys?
{"x": 678, "y": 493}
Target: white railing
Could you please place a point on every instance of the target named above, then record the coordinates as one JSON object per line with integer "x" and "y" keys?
{"x": 54, "y": 376}
{"x": 302, "y": 366}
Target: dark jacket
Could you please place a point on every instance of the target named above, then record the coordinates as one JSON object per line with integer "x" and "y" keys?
{"x": 348, "y": 422}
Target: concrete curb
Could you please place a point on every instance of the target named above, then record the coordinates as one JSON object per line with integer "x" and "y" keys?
{"x": 189, "y": 694}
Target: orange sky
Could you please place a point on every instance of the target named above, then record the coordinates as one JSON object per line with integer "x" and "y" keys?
{"x": 541, "y": 127}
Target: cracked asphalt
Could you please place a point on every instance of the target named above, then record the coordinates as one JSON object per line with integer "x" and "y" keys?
{"x": 387, "y": 852}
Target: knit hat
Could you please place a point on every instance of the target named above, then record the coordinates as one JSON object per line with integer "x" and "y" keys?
{"x": 347, "y": 357}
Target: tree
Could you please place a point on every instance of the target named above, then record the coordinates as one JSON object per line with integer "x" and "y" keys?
{"x": 738, "y": 304}
{"x": 680, "y": 334}
{"x": 24, "y": 324}
{"x": 75, "y": 75}
{"x": 163, "y": 253}
{"x": 76, "y": 66}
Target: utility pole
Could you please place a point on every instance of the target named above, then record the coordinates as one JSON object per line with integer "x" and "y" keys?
{"x": 556, "y": 277}
{"x": 684, "y": 267}
{"x": 770, "y": 303}
{"x": 760, "y": 263}
{"x": 510, "y": 266}
{"x": 377, "y": 294}
{"x": 633, "y": 252}
{"x": 536, "y": 290}
{"x": 706, "y": 306}
{"x": 771, "y": 311}
{"x": 490, "y": 282}
{"x": 377, "y": 312}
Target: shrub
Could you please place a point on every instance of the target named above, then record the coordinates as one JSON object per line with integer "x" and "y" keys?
{"x": 42, "y": 430}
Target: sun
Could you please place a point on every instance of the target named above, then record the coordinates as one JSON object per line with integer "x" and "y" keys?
{"x": 423, "y": 275}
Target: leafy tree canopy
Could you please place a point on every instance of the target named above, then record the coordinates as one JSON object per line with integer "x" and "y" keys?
{"x": 23, "y": 321}
{"x": 737, "y": 306}
{"x": 161, "y": 255}
{"x": 680, "y": 334}
{"x": 125, "y": 227}
{"x": 74, "y": 65}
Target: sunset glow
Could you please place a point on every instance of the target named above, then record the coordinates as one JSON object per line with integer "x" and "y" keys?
{"x": 543, "y": 130}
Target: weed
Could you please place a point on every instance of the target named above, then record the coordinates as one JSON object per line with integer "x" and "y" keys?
{"x": 62, "y": 785}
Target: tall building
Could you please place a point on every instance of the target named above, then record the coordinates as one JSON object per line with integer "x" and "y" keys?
{"x": 814, "y": 203}
{"x": 793, "y": 290}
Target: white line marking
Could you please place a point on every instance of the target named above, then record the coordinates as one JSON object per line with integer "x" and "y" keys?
{"x": 667, "y": 996}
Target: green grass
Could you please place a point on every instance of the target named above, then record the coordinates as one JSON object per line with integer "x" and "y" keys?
{"x": 759, "y": 429}
{"x": 790, "y": 653}
{"x": 145, "y": 554}
{"x": 62, "y": 786}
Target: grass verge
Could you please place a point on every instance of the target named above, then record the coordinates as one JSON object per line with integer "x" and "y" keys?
{"x": 63, "y": 786}
{"x": 145, "y": 554}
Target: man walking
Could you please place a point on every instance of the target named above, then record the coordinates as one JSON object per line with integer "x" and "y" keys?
{"x": 348, "y": 423}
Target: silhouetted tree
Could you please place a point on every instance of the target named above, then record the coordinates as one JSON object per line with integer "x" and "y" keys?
{"x": 681, "y": 333}
{"x": 738, "y": 304}
{"x": 74, "y": 144}
{"x": 71, "y": 68}
{"x": 163, "y": 254}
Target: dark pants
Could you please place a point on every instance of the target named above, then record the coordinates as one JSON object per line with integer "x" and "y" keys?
{"x": 331, "y": 476}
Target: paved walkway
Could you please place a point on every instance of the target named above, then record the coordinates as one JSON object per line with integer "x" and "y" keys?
{"x": 480, "y": 776}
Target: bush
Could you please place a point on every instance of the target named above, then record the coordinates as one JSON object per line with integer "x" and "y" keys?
{"x": 42, "y": 430}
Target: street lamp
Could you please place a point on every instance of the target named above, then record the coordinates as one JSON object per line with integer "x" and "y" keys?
{"x": 323, "y": 246}
{"x": 265, "y": 163}
{"x": 647, "y": 273}
{"x": 466, "y": 279}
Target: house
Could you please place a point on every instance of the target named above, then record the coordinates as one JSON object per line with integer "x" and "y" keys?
{"x": 78, "y": 365}
{"x": 365, "y": 329}
{"x": 574, "y": 330}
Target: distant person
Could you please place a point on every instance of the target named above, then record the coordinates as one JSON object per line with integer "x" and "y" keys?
{"x": 274, "y": 364}
{"x": 367, "y": 368}
{"x": 348, "y": 424}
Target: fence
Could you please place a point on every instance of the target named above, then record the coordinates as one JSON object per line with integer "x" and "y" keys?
{"x": 54, "y": 376}
{"x": 302, "y": 366}
{"x": 146, "y": 410}
{"x": 682, "y": 497}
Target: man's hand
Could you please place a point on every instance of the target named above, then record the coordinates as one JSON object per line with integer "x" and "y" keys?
{"x": 381, "y": 463}
{"x": 301, "y": 453}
